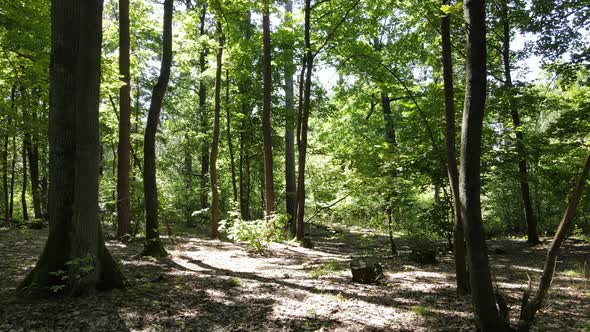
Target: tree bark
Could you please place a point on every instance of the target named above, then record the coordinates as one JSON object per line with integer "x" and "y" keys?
{"x": 204, "y": 190}
{"x": 388, "y": 119}
{"x": 124, "y": 147}
{"x": 266, "y": 104}
{"x": 290, "y": 180}
{"x": 75, "y": 246}
{"x": 33, "y": 155}
{"x": 230, "y": 144}
{"x": 531, "y": 218}
{"x": 23, "y": 196}
{"x": 482, "y": 292}
{"x": 215, "y": 142}
{"x": 153, "y": 245}
{"x": 7, "y": 213}
{"x": 452, "y": 172}
{"x": 530, "y": 307}
{"x": 304, "y": 124}
{"x": 12, "y": 179}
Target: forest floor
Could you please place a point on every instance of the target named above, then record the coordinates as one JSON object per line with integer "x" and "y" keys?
{"x": 211, "y": 285}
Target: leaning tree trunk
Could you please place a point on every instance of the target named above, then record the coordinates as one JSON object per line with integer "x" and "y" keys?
{"x": 266, "y": 103}
{"x": 458, "y": 234}
{"x": 531, "y": 306}
{"x": 215, "y": 142}
{"x": 304, "y": 125}
{"x": 75, "y": 247}
{"x": 531, "y": 219}
{"x": 290, "y": 180}
{"x": 153, "y": 245}
{"x": 124, "y": 147}
{"x": 482, "y": 292}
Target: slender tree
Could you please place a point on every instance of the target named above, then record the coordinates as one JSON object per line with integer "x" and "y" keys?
{"x": 204, "y": 120}
{"x": 23, "y": 196}
{"x": 290, "y": 178}
{"x": 452, "y": 172}
{"x": 531, "y": 218}
{"x": 153, "y": 245}
{"x": 266, "y": 103}
{"x": 230, "y": 144}
{"x": 75, "y": 246}
{"x": 124, "y": 147}
{"x": 215, "y": 142}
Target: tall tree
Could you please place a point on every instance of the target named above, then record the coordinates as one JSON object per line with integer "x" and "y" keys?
{"x": 153, "y": 245}
{"x": 230, "y": 144}
{"x": 215, "y": 142}
{"x": 23, "y": 196}
{"x": 482, "y": 292}
{"x": 266, "y": 103}
{"x": 124, "y": 147}
{"x": 452, "y": 172}
{"x": 204, "y": 120}
{"x": 290, "y": 180}
{"x": 5, "y": 156}
{"x": 531, "y": 218}
{"x": 75, "y": 246}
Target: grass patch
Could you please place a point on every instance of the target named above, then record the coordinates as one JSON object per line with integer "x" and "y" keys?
{"x": 421, "y": 310}
{"x": 327, "y": 268}
{"x": 579, "y": 271}
{"x": 234, "y": 282}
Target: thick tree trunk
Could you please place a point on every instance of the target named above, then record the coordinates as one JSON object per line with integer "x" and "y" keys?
{"x": 530, "y": 307}
{"x": 531, "y": 219}
{"x": 124, "y": 147}
{"x": 23, "y": 196}
{"x": 452, "y": 172}
{"x": 215, "y": 142}
{"x": 153, "y": 245}
{"x": 304, "y": 125}
{"x": 204, "y": 120}
{"x": 230, "y": 143}
{"x": 75, "y": 247}
{"x": 266, "y": 103}
{"x": 482, "y": 292}
{"x": 290, "y": 179}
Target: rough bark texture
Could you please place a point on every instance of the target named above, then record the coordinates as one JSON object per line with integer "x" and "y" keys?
{"x": 452, "y": 172}
{"x": 482, "y": 292}
{"x": 215, "y": 142}
{"x": 75, "y": 245}
{"x": 531, "y": 218}
{"x": 530, "y": 307}
{"x": 290, "y": 180}
{"x": 153, "y": 245}
{"x": 266, "y": 103}
{"x": 304, "y": 124}
{"x": 124, "y": 147}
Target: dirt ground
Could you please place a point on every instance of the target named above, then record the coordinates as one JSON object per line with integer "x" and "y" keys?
{"x": 211, "y": 285}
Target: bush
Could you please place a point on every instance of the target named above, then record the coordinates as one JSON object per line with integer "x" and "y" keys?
{"x": 255, "y": 233}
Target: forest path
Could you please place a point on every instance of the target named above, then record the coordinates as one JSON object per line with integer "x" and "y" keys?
{"x": 211, "y": 285}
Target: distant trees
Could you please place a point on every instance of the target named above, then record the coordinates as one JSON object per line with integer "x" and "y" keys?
{"x": 75, "y": 247}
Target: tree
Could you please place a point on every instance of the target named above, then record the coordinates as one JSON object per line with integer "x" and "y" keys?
{"x": 215, "y": 142}
{"x": 204, "y": 190}
{"x": 452, "y": 172}
{"x": 266, "y": 104}
{"x": 124, "y": 147}
{"x": 153, "y": 245}
{"x": 75, "y": 247}
{"x": 482, "y": 292}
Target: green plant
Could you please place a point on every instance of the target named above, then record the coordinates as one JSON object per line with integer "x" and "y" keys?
{"x": 255, "y": 233}
{"x": 421, "y": 310}
{"x": 327, "y": 268}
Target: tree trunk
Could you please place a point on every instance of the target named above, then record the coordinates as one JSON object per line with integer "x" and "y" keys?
{"x": 452, "y": 173}
{"x": 530, "y": 307}
{"x": 266, "y": 103}
{"x": 33, "y": 156}
{"x": 124, "y": 147}
{"x": 388, "y": 119}
{"x": 204, "y": 190}
{"x": 482, "y": 292}
{"x": 229, "y": 139}
{"x": 531, "y": 219}
{"x": 215, "y": 142}
{"x": 153, "y": 245}
{"x": 23, "y": 196}
{"x": 75, "y": 247}
{"x": 304, "y": 125}
{"x": 12, "y": 179}
{"x": 7, "y": 213}
{"x": 290, "y": 180}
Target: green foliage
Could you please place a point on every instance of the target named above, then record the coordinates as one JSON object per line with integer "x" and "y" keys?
{"x": 325, "y": 269}
{"x": 254, "y": 233}
{"x": 421, "y": 310}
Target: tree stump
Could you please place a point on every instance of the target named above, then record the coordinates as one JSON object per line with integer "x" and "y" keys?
{"x": 366, "y": 272}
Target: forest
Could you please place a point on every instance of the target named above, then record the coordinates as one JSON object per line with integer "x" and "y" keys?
{"x": 294, "y": 165}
